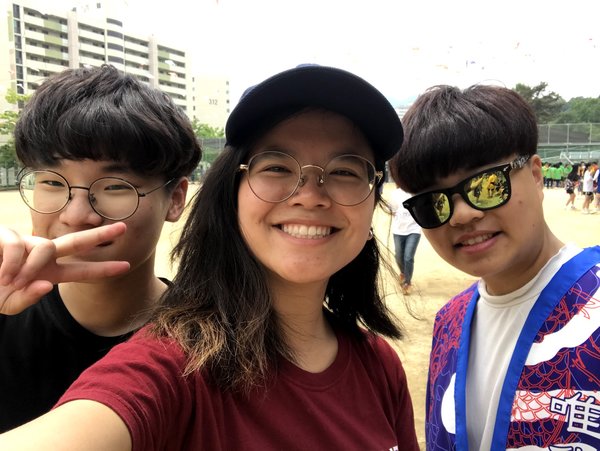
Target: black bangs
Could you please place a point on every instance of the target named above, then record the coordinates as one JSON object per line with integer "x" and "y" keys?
{"x": 101, "y": 114}
{"x": 99, "y": 130}
{"x": 447, "y": 130}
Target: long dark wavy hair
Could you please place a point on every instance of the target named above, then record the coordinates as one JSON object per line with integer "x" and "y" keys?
{"x": 219, "y": 307}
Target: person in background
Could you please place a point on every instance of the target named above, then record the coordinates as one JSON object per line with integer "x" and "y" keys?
{"x": 571, "y": 183}
{"x": 596, "y": 186}
{"x": 546, "y": 175}
{"x": 580, "y": 172}
{"x": 588, "y": 187}
{"x": 556, "y": 174}
{"x": 566, "y": 170}
{"x": 406, "y": 233}
{"x": 106, "y": 163}
{"x": 270, "y": 335}
{"x": 514, "y": 361}
{"x": 560, "y": 174}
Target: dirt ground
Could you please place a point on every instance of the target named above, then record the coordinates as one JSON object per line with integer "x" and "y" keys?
{"x": 434, "y": 280}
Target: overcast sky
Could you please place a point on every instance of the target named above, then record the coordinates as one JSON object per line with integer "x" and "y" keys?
{"x": 400, "y": 46}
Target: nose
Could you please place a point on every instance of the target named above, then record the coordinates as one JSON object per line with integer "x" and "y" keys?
{"x": 463, "y": 213}
{"x": 311, "y": 191}
{"x": 78, "y": 211}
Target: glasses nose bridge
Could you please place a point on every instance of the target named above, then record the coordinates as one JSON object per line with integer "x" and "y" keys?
{"x": 72, "y": 187}
{"x": 459, "y": 190}
{"x": 320, "y": 178}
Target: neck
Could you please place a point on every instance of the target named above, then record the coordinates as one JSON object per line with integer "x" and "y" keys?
{"x": 113, "y": 306}
{"x": 306, "y": 329}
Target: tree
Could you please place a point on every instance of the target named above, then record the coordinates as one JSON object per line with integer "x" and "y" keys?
{"x": 8, "y": 120}
{"x": 580, "y": 109}
{"x": 546, "y": 106}
{"x": 206, "y": 131}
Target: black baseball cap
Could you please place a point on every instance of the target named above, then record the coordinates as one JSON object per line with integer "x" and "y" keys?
{"x": 319, "y": 86}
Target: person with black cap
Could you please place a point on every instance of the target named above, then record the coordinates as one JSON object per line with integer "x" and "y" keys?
{"x": 271, "y": 335}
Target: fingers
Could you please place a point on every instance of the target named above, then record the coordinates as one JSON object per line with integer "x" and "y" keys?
{"x": 73, "y": 243}
{"x": 12, "y": 252}
{"x": 77, "y": 272}
{"x": 15, "y": 301}
{"x": 40, "y": 253}
{"x": 26, "y": 259}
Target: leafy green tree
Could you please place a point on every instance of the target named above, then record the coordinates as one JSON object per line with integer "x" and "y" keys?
{"x": 206, "y": 131}
{"x": 547, "y": 105}
{"x": 211, "y": 138}
{"x": 580, "y": 109}
{"x": 8, "y": 120}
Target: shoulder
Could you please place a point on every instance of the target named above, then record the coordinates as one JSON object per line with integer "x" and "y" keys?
{"x": 150, "y": 349}
{"x": 144, "y": 364}
{"x": 143, "y": 381}
{"x": 43, "y": 314}
{"x": 142, "y": 360}
{"x": 457, "y": 303}
{"x": 377, "y": 352}
{"x": 377, "y": 345}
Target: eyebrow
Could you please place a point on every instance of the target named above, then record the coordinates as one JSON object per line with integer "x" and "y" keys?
{"x": 116, "y": 167}
{"x": 334, "y": 154}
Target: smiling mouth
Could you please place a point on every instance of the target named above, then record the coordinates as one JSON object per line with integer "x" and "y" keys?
{"x": 304, "y": 231}
{"x": 476, "y": 240}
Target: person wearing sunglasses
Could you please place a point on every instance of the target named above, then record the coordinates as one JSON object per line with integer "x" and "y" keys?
{"x": 514, "y": 360}
{"x": 271, "y": 335}
{"x": 106, "y": 160}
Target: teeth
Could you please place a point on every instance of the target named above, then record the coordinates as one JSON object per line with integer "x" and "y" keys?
{"x": 476, "y": 240}
{"x": 304, "y": 231}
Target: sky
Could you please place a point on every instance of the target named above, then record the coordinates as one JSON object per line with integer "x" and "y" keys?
{"x": 401, "y": 47}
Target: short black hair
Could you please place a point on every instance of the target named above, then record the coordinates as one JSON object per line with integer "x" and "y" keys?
{"x": 100, "y": 113}
{"x": 447, "y": 130}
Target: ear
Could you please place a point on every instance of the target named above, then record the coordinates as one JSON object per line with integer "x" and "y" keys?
{"x": 536, "y": 170}
{"x": 177, "y": 200}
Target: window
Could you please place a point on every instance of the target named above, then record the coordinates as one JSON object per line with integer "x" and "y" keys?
{"x": 114, "y": 34}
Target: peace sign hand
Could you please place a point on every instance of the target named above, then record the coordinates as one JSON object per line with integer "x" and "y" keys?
{"x": 29, "y": 265}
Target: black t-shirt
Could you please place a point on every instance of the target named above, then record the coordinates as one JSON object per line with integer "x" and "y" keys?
{"x": 42, "y": 351}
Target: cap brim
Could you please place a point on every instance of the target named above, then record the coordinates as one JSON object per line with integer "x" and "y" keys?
{"x": 325, "y": 87}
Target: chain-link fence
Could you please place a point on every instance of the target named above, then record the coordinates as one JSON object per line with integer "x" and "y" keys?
{"x": 562, "y": 134}
{"x": 569, "y": 142}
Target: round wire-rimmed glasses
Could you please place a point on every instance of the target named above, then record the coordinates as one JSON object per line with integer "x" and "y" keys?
{"x": 48, "y": 192}
{"x": 275, "y": 176}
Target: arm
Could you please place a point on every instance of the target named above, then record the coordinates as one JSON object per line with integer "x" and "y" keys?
{"x": 30, "y": 266}
{"x": 76, "y": 425}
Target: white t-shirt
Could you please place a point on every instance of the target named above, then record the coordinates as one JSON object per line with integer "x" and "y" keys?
{"x": 402, "y": 222}
{"x": 495, "y": 329}
{"x": 588, "y": 182}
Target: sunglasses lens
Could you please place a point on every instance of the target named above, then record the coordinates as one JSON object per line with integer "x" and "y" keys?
{"x": 488, "y": 190}
{"x": 430, "y": 210}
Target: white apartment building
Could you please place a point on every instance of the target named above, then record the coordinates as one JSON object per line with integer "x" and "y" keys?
{"x": 40, "y": 41}
{"x": 209, "y": 100}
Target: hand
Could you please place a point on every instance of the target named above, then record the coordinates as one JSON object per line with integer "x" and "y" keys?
{"x": 29, "y": 265}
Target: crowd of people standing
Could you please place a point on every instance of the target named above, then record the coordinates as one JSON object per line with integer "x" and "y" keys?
{"x": 576, "y": 179}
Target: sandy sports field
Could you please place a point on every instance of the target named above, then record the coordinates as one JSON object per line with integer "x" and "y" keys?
{"x": 434, "y": 280}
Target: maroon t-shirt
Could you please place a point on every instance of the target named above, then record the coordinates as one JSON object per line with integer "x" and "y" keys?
{"x": 361, "y": 402}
